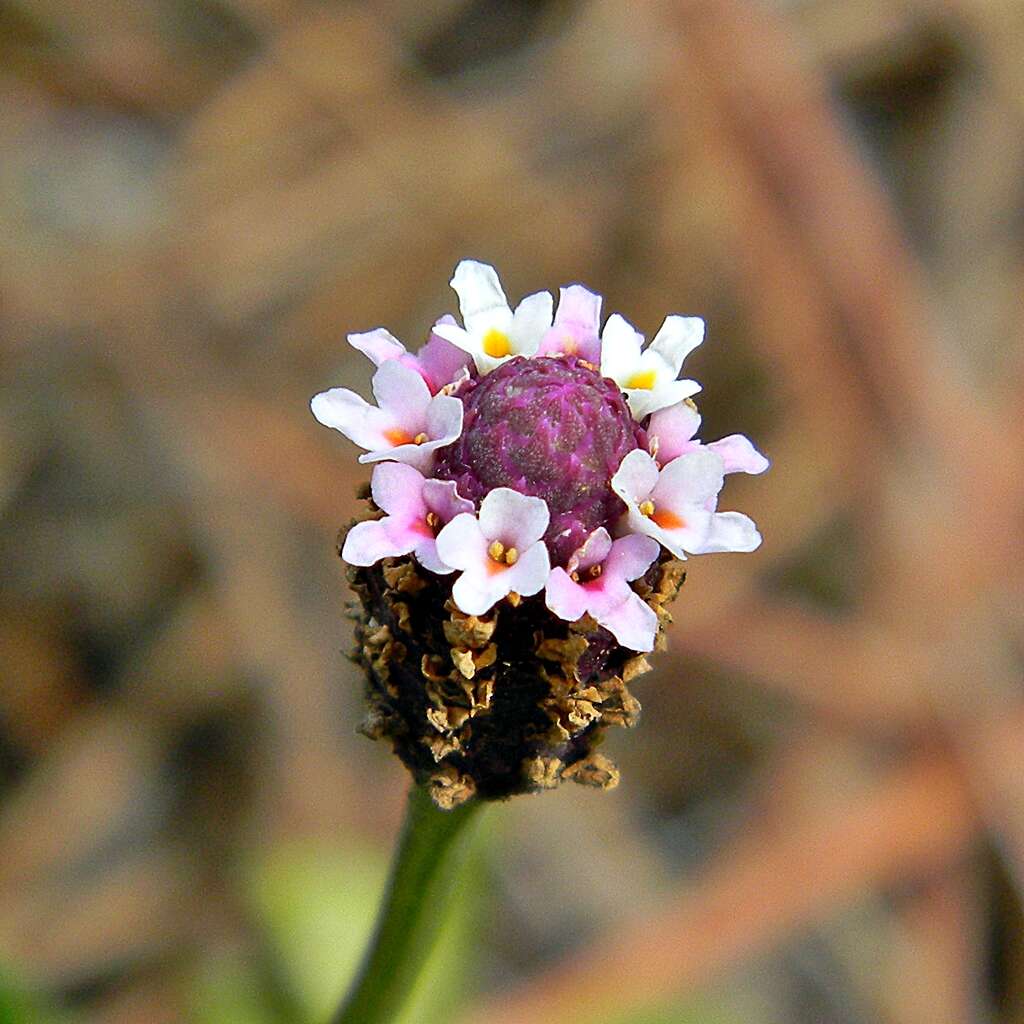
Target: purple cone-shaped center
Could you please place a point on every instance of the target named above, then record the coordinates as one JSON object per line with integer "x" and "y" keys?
{"x": 551, "y": 427}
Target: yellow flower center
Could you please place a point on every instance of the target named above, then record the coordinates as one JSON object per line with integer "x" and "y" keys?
{"x": 643, "y": 379}
{"x": 664, "y": 517}
{"x": 501, "y": 557}
{"x": 496, "y": 344}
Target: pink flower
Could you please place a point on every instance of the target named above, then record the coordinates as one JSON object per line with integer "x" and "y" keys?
{"x": 407, "y": 425}
{"x": 596, "y": 581}
{"x": 673, "y": 432}
{"x": 438, "y": 362}
{"x": 417, "y": 510}
{"x": 500, "y": 552}
{"x": 577, "y": 327}
{"x": 676, "y": 505}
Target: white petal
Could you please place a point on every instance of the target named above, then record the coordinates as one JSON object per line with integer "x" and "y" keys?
{"x": 480, "y": 296}
{"x": 677, "y": 338}
{"x": 461, "y": 544}
{"x": 530, "y": 574}
{"x": 636, "y": 477}
{"x": 517, "y": 520}
{"x": 444, "y": 419}
{"x": 426, "y": 554}
{"x": 530, "y": 322}
{"x": 730, "y": 531}
{"x": 347, "y": 412}
{"x": 378, "y": 345}
{"x": 476, "y": 592}
{"x": 666, "y": 392}
{"x": 620, "y": 348}
{"x": 691, "y": 479}
{"x": 630, "y": 557}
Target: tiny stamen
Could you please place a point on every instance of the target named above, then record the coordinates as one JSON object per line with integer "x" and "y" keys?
{"x": 647, "y": 508}
{"x": 496, "y": 551}
{"x": 511, "y": 556}
{"x": 433, "y": 520}
{"x": 420, "y": 438}
{"x": 595, "y": 571}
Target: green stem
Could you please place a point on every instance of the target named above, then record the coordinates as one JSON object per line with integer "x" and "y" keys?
{"x": 423, "y": 874}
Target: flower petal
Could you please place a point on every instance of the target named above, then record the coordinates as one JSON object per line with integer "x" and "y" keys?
{"x": 441, "y": 362}
{"x": 480, "y": 295}
{"x": 477, "y": 592}
{"x": 566, "y": 598}
{"x": 398, "y": 489}
{"x": 530, "y": 322}
{"x": 677, "y": 337}
{"x": 636, "y": 477}
{"x": 730, "y": 531}
{"x": 739, "y": 455}
{"x": 517, "y": 520}
{"x": 369, "y": 542}
{"x": 426, "y": 554}
{"x": 378, "y": 345}
{"x": 351, "y": 415}
{"x": 592, "y": 551}
{"x": 461, "y": 544}
{"x": 530, "y": 573}
{"x": 644, "y": 401}
{"x": 443, "y": 499}
{"x": 620, "y": 348}
{"x": 674, "y": 428}
{"x": 632, "y": 623}
{"x": 403, "y": 393}
{"x": 689, "y": 480}
{"x": 630, "y": 557}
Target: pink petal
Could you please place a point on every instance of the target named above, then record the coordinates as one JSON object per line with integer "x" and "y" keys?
{"x": 675, "y": 428}
{"x": 517, "y": 520}
{"x": 443, "y": 499}
{"x": 593, "y": 550}
{"x": 440, "y": 361}
{"x": 632, "y": 623}
{"x": 566, "y": 598}
{"x": 739, "y": 455}
{"x": 397, "y": 489}
{"x": 630, "y": 557}
{"x": 577, "y": 325}
{"x": 378, "y": 345}
{"x": 369, "y": 542}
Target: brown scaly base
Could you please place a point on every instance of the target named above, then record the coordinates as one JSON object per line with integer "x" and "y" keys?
{"x": 511, "y": 702}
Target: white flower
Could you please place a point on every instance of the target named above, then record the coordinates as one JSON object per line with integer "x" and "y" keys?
{"x": 407, "y": 424}
{"x": 676, "y": 505}
{"x": 500, "y": 552}
{"x": 648, "y": 375}
{"x": 493, "y": 333}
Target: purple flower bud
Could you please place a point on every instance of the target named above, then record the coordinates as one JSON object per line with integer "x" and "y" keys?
{"x": 551, "y": 428}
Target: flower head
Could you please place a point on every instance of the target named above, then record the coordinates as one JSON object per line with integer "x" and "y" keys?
{"x": 538, "y": 483}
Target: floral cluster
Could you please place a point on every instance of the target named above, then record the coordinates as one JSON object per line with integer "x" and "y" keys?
{"x": 531, "y": 450}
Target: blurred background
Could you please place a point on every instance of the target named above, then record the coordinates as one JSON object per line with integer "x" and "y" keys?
{"x": 821, "y": 817}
